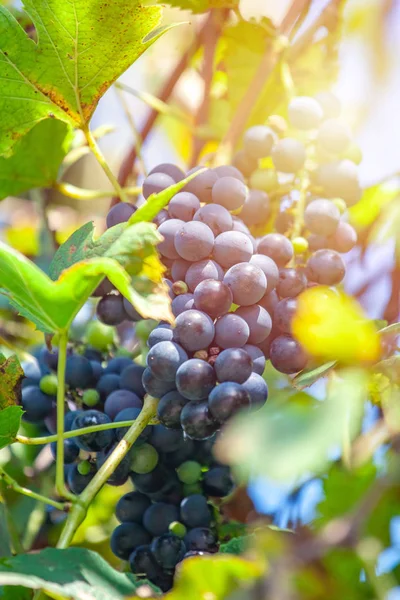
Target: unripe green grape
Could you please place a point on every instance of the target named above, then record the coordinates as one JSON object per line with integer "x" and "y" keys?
{"x": 340, "y": 204}
{"x": 192, "y": 488}
{"x": 189, "y": 471}
{"x": 300, "y": 245}
{"x": 265, "y": 180}
{"x": 84, "y": 467}
{"x": 48, "y": 384}
{"x": 177, "y": 529}
{"x": 100, "y": 336}
{"x": 144, "y": 459}
{"x": 90, "y": 397}
{"x": 123, "y": 352}
{"x": 143, "y": 329}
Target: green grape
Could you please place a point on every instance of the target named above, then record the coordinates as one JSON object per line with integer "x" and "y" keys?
{"x": 340, "y": 204}
{"x": 177, "y": 529}
{"x": 189, "y": 472}
{"x": 84, "y": 467}
{"x": 265, "y": 180}
{"x": 144, "y": 328}
{"x": 90, "y": 397}
{"x": 300, "y": 245}
{"x": 192, "y": 488}
{"x": 353, "y": 153}
{"x": 48, "y": 384}
{"x": 100, "y": 336}
{"x": 144, "y": 459}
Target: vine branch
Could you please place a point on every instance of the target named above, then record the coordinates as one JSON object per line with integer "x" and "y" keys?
{"x": 11, "y": 483}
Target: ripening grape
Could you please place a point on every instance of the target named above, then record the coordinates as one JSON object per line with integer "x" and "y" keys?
{"x": 110, "y": 309}
{"x": 155, "y": 183}
{"x": 334, "y": 136}
{"x": 247, "y": 283}
{"x": 194, "y": 330}
{"x": 269, "y": 268}
{"x": 232, "y": 247}
{"x": 183, "y": 206}
{"x": 216, "y": 217}
{"x": 168, "y": 230}
{"x": 245, "y": 163}
{"x": 233, "y": 364}
{"x": 201, "y": 186}
{"x": 325, "y": 267}
{"x": 201, "y": 270}
{"x": 257, "y": 357}
{"x": 194, "y": 241}
{"x": 195, "y": 379}
{"x": 286, "y": 355}
{"x": 213, "y": 297}
{"x": 291, "y": 283}
{"x": 169, "y": 169}
{"x": 258, "y": 141}
{"x": 344, "y": 238}
{"x": 229, "y": 171}
{"x": 197, "y": 421}
{"x": 227, "y": 399}
{"x": 305, "y": 112}
{"x": 182, "y": 303}
{"x": 277, "y": 247}
{"x": 229, "y": 192}
{"x": 258, "y": 320}
{"x": 256, "y": 208}
{"x": 284, "y": 313}
{"x": 288, "y": 155}
{"x": 322, "y": 217}
{"x": 257, "y": 389}
{"x": 231, "y": 331}
{"x": 120, "y": 213}
{"x": 164, "y": 359}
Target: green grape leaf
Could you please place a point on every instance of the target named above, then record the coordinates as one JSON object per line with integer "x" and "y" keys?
{"x": 237, "y": 545}
{"x": 373, "y": 201}
{"x": 73, "y": 574}
{"x": 307, "y": 378}
{"x": 216, "y": 577}
{"x": 199, "y": 6}
{"x": 296, "y": 432}
{"x": 11, "y": 375}
{"x": 10, "y": 420}
{"x": 32, "y": 165}
{"x": 83, "y": 47}
{"x": 157, "y": 202}
{"x": 52, "y": 305}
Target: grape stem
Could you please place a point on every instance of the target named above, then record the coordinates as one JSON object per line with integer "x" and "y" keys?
{"x": 104, "y": 165}
{"x": 82, "y": 502}
{"x": 62, "y": 361}
{"x": 72, "y": 191}
{"x": 47, "y": 439}
{"x": 300, "y": 206}
{"x": 11, "y": 483}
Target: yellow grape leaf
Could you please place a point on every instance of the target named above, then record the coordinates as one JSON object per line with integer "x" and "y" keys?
{"x": 332, "y": 326}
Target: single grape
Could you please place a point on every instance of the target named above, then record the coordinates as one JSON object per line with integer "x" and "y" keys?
{"x": 305, "y": 112}
{"x": 71, "y": 450}
{"x": 120, "y": 474}
{"x": 169, "y": 409}
{"x": 201, "y": 186}
{"x": 322, "y": 217}
{"x": 340, "y": 180}
{"x": 118, "y": 364}
{"x": 284, "y": 313}
{"x": 178, "y": 529}
{"x": 229, "y": 171}
{"x": 286, "y": 355}
{"x": 131, "y": 507}
{"x": 90, "y": 397}
{"x": 189, "y": 472}
{"x": 344, "y": 239}
{"x": 161, "y": 217}
{"x": 195, "y": 379}
{"x": 131, "y": 379}
{"x": 130, "y": 414}
{"x": 164, "y": 359}
{"x": 245, "y": 163}
{"x": 238, "y": 225}
{"x": 119, "y": 400}
{"x": 288, "y": 155}
{"x": 300, "y": 245}
{"x": 197, "y": 421}
{"x": 284, "y": 222}
{"x": 183, "y": 206}
{"x": 168, "y": 550}
{"x": 317, "y": 242}
{"x": 78, "y": 372}
{"x": 226, "y": 400}
{"x": 100, "y": 336}
{"x": 36, "y": 404}
{"x": 216, "y": 217}
{"x": 97, "y": 440}
{"x": 256, "y": 208}
{"x": 179, "y": 269}
{"x": 155, "y": 183}
{"x": 194, "y": 330}
{"x": 325, "y": 267}
{"x": 182, "y": 303}
{"x": 213, "y": 297}
{"x": 155, "y": 481}
{"x": 105, "y": 287}
{"x": 158, "y": 517}
{"x": 126, "y": 537}
{"x": 265, "y": 180}
{"x": 329, "y": 103}
{"x": 218, "y": 482}
{"x": 195, "y": 511}
{"x": 257, "y": 389}
{"x": 107, "y": 384}
{"x": 49, "y": 384}
{"x": 168, "y": 230}
{"x": 169, "y": 169}
{"x": 143, "y": 563}
{"x": 155, "y": 387}
{"x": 258, "y": 141}
{"x": 231, "y": 331}
{"x": 78, "y": 482}
{"x": 144, "y": 458}
{"x": 258, "y": 320}
{"x": 194, "y": 241}
{"x": 257, "y": 358}
{"x": 232, "y": 247}
{"x": 120, "y": 213}
{"x": 162, "y": 333}
{"x": 165, "y": 440}
{"x": 247, "y": 283}
{"x": 201, "y": 270}
{"x": 291, "y": 283}
{"x": 268, "y": 267}
{"x": 201, "y": 539}
{"x": 84, "y": 467}
{"x": 233, "y": 364}
{"x": 269, "y": 302}
{"x": 110, "y": 310}
{"x": 229, "y": 192}
{"x": 131, "y": 312}
{"x": 334, "y": 136}
{"x": 277, "y": 247}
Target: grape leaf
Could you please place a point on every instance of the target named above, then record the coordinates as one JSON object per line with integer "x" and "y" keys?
{"x": 11, "y": 375}
{"x": 83, "y": 47}
{"x": 308, "y": 377}
{"x": 32, "y": 165}
{"x": 237, "y": 545}
{"x": 74, "y": 574}
{"x": 199, "y": 6}
{"x": 52, "y": 305}
{"x": 10, "y": 420}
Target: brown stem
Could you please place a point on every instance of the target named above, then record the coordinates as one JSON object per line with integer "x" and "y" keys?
{"x": 165, "y": 93}
{"x": 393, "y": 306}
{"x": 214, "y": 26}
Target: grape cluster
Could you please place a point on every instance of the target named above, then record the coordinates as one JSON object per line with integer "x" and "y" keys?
{"x": 169, "y": 515}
